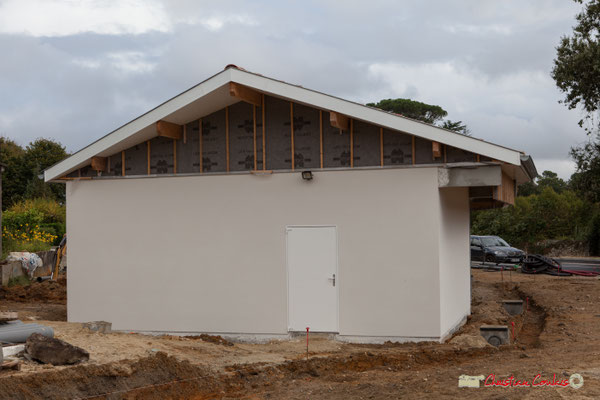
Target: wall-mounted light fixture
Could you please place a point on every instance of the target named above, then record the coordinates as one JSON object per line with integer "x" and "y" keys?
{"x": 307, "y": 175}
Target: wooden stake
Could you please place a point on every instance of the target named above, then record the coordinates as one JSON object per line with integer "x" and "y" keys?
{"x": 321, "y": 136}
{"x": 148, "y": 154}
{"x": 264, "y": 124}
{"x": 123, "y": 163}
{"x": 254, "y": 127}
{"x": 292, "y": 132}
{"x": 174, "y": 156}
{"x": 351, "y": 143}
{"x": 227, "y": 135}
{"x": 414, "y": 153}
{"x": 200, "y": 145}
{"x": 381, "y": 145}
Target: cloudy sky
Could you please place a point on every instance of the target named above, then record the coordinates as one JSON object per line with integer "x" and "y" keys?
{"x": 75, "y": 70}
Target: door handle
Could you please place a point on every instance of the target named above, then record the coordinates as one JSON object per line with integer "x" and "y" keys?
{"x": 332, "y": 279}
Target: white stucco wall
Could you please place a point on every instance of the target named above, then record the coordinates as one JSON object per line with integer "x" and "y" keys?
{"x": 455, "y": 270}
{"x": 207, "y": 253}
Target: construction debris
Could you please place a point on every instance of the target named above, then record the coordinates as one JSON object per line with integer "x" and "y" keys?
{"x": 98, "y": 326}
{"x": 54, "y": 351}
{"x": 12, "y": 332}
{"x": 537, "y": 264}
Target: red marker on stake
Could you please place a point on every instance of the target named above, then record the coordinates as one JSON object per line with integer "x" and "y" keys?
{"x": 307, "y": 328}
{"x": 513, "y": 330}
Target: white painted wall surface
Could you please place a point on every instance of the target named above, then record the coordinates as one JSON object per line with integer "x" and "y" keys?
{"x": 207, "y": 253}
{"x": 455, "y": 270}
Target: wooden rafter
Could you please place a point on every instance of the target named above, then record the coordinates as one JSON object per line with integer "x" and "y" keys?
{"x": 264, "y": 131}
{"x": 148, "y": 157}
{"x": 414, "y": 153}
{"x": 174, "y": 156}
{"x": 169, "y": 129}
{"x": 227, "y": 136}
{"x": 436, "y": 149}
{"x": 351, "y": 143}
{"x": 338, "y": 120}
{"x": 254, "y": 135}
{"x": 99, "y": 163}
{"x": 381, "y": 146}
{"x": 244, "y": 93}
{"x": 200, "y": 150}
{"x": 321, "y": 136}
{"x": 292, "y": 132}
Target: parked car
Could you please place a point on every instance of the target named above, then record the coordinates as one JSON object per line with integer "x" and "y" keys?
{"x": 494, "y": 249}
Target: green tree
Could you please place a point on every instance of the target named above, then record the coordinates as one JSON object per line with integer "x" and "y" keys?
{"x": 586, "y": 179}
{"x": 412, "y": 109}
{"x": 457, "y": 126}
{"x": 546, "y": 179}
{"x": 577, "y": 64}
{"x": 21, "y": 180}
{"x": 14, "y": 177}
{"x": 39, "y": 155}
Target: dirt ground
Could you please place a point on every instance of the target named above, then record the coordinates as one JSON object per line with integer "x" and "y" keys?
{"x": 557, "y": 336}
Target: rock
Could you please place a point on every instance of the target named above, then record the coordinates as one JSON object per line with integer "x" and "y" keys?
{"x": 476, "y": 341}
{"x": 54, "y": 351}
{"x": 98, "y": 326}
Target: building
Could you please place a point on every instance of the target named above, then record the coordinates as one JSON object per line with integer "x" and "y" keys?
{"x": 249, "y": 206}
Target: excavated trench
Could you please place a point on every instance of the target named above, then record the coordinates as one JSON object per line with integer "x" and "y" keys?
{"x": 162, "y": 376}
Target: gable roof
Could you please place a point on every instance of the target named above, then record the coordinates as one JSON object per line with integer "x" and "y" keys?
{"x": 213, "y": 94}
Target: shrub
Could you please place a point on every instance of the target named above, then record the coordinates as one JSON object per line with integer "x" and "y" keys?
{"x": 594, "y": 236}
{"x": 32, "y": 225}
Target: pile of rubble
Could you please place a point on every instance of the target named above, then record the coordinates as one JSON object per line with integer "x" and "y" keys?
{"x": 34, "y": 342}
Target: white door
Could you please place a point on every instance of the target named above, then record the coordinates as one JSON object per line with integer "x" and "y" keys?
{"x": 312, "y": 278}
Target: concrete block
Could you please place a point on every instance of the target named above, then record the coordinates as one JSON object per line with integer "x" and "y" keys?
{"x": 10, "y": 270}
{"x": 98, "y": 326}
{"x": 495, "y": 335}
{"x": 513, "y": 307}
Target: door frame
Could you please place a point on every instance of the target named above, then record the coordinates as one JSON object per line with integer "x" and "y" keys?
{"x": 337, "y": 272}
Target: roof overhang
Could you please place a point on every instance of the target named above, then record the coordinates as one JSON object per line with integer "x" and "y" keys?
{"x": 213, "y": 94}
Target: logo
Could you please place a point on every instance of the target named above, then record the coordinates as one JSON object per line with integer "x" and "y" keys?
{"x": 575, "y": 381}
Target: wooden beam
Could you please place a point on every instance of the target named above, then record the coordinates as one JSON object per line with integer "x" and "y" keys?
{"x": 174, "y": 156}
{"x": 200, "y": 145}
{"x": 227, "y": 135}
{"x": 445, "y": 154}
{"x": 185, "y": 133}
{"x": 351, "y": 143}
{"x": 148, "y": 156}
{"x": 264, "y": 125}
{"x": 321, "y": 136}
{"x": 99, "y": 163}
{"x": 169, "y": 129}
{"x": 123, "y": 163}
{"x": 244, "y": 93}
{"x": 254, "y": 135}
{"x": 292, "y": 132}
{"x": 478, "y": 158}
{"x": 436, "y": 149}
{"x": 381, "y": 145}
{"x": 414, "y": 153}
{"x": 338, "y": 120}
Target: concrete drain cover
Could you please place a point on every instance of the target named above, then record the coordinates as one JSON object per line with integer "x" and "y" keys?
{"x": 513, "y": 307}
{"x": 495, "y": 335}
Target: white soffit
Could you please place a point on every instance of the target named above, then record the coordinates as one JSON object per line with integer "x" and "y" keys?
{"x": 202, "y": 98}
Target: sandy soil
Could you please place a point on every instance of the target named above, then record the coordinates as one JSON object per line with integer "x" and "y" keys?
{"x": 558, "y": 335}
